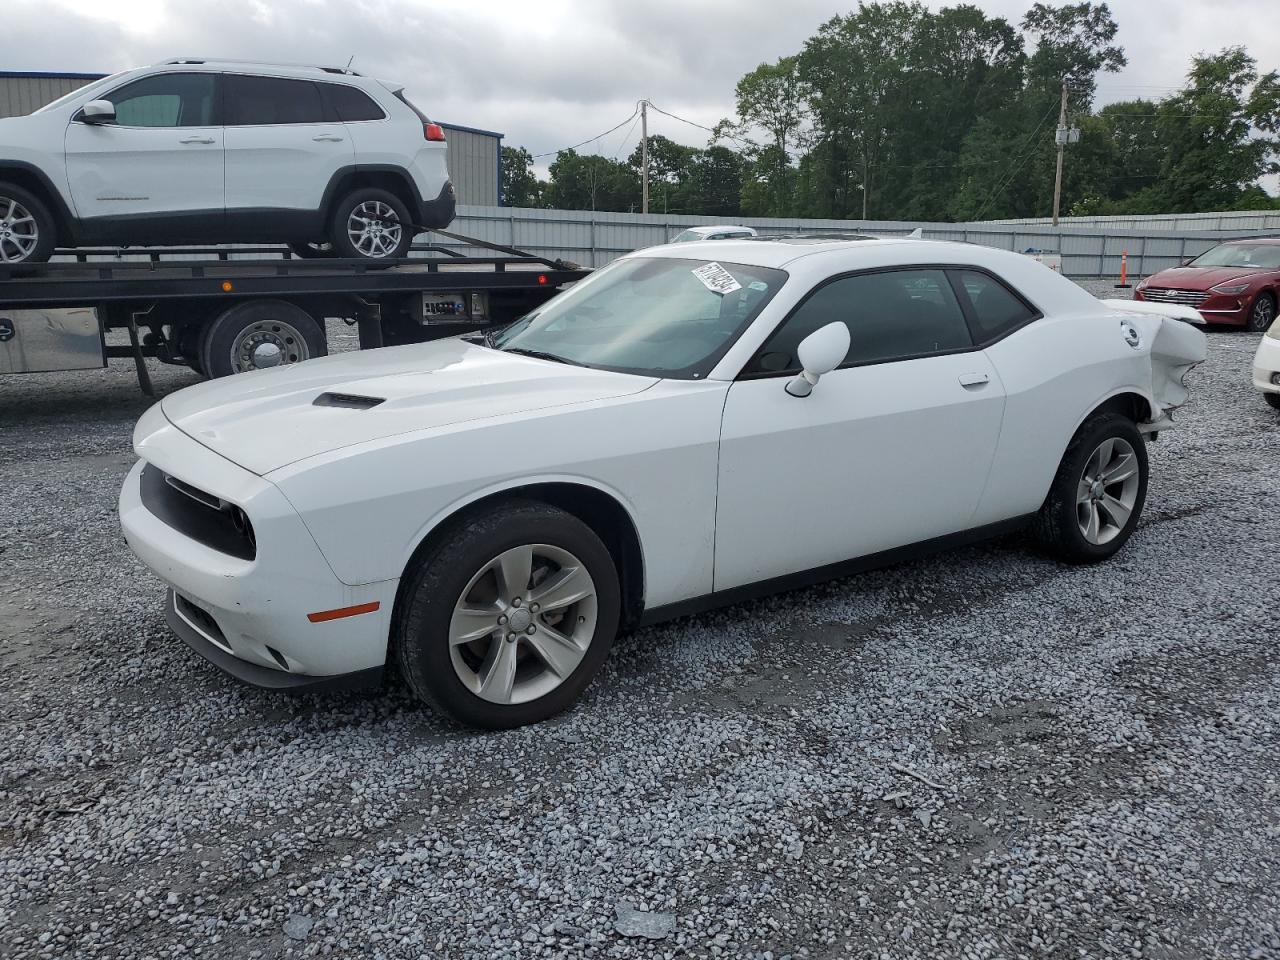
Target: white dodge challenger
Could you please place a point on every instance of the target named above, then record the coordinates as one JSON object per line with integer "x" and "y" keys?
{"x": 690, "y": 426}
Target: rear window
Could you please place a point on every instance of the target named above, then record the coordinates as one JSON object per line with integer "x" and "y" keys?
{"x": 349, "y": 104}
{"x": 269, "y": 101}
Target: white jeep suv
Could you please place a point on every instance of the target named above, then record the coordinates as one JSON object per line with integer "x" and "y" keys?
{"x": 207, "y": 151}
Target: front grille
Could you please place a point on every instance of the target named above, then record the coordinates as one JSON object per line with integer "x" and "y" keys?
{"x": 1188, "y": 298}
{"x": 199, "y": 515}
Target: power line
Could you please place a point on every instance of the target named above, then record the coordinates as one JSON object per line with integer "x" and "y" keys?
{"x": 551, "y": 153}
{"x": 627, "y": 136}
{"x": 1019, "y": 164}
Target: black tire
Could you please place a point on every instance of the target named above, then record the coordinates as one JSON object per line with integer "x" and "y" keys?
{"x": 1058, "y": 526}
{"x": 312, "y": 251}
{"x": 436, "y": 582}
{"x": 1273, "y": 399}
{"x": 295, "y": 332}
{"x": 1262, "y": 312}
{"x": 190, "y": 337}
{"x": 343, "y": 244}
{"x": 46, "y": 228}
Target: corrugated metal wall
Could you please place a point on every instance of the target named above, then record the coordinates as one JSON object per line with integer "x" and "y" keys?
{"x": 473, "y": 165}
{"x": 25, "y": 93}
{"x": 1257, "y": 220}
{"x": 593, "y": 239}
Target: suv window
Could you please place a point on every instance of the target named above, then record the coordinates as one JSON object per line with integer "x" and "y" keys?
{"x": 891, "y": 316}
{"x": 267, "y": 101}
{"x": 166, "y": 100}
{"x": 996, "y": 309}
{"x": 349, "y": 104}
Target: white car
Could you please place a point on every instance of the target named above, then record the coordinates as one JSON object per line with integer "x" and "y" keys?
{"x": 222, "y": 151}
{"x": 717, "y": 232}
{"x": 689, "y": 426}
{"x": 1266, "y": 365}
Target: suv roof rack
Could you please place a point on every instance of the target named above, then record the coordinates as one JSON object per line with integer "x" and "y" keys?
{"x": 264, "y": 63}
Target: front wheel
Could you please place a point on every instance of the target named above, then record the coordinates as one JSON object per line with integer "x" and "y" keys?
{"x": 371, "y": 224}
{"x": 27, "y": 231}
{"x": 1261, "y": 313}
{"x": 1098, "y": 492}
{"x": 507, "y": 619}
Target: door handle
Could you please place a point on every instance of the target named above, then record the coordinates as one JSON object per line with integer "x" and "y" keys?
{"x": 196, "y": 140}
{"x": 328, "y": 138}
{"x": 974, "y": 379}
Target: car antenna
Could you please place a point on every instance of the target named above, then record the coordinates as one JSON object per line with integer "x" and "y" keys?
{"x": 350, "y": 62}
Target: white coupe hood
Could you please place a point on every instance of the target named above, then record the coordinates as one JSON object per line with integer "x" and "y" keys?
{"x": 268, "y": 419}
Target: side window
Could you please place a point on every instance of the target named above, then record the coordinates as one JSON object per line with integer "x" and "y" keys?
{"x": 996, "y": 310}
{"x": 890, "y": 316}
{"x": 166, "y": 100}
{"x": 349, "y": 104}
{"x": 269, "y": 101}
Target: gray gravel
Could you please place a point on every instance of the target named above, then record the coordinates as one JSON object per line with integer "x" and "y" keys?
{"x": 985, "y": 754}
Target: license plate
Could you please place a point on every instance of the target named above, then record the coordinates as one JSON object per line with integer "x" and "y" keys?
{"x": 443, "y": 306}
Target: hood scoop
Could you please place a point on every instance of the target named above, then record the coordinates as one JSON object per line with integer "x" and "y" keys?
{"x": 349, "y": 401}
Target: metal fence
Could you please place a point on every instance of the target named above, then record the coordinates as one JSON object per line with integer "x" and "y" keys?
{"x": 1228, "y": 220}
{"x": 593, "y": 238}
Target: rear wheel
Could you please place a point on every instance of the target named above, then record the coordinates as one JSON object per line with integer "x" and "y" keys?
{"x": 1273, "y": 399}
{"x": 1262, "y": 313}
{"x": 1098, "y": 493}
{"x": 259, "y": 334}
{"x": 507, "y": 619}
{"x": 27, "y": 232}
{"x": 371, "y": 224}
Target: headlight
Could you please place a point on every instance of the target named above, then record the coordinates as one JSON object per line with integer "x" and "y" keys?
{"x": 1231, "y": 287}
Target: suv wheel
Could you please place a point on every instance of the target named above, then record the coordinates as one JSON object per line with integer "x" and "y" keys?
{"x": 26, "y": 227}
{"x": 1261, "y": 313}
{"x": 371, "y": 224}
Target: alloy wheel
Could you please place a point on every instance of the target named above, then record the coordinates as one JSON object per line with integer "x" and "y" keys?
{"x": 19, "y": 233}
{"x": 523, "y": 624}
{"x": 267, "y": 343}
{"x": 1263, "y": 312}
{"x": 374, "y": 229}
{"x": 1107, "y": 491}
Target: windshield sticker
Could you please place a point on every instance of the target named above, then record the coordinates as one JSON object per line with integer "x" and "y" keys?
{"x": 716, "y": 278}
{"x": 758, "y": 285}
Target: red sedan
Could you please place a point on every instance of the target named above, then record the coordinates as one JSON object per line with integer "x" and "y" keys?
{"x": 1236, "y": 283}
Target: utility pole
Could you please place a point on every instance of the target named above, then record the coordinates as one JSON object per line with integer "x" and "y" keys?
{"x": 1061, "y": 138}
{"x": 644, "y": 156}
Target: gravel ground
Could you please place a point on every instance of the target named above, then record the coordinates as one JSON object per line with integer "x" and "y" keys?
{"x": 984, "y": 754}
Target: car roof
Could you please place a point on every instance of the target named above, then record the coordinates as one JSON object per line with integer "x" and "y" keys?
{"x": 311, "y": 71}
{"x": 1271, "y": 241}
{"x": 775, "y": 252}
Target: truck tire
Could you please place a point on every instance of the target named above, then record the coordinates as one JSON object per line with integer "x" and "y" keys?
{"x": 371, "y": 224}
{"x": 28, "y": 233}
{"x": 259, "y": 334}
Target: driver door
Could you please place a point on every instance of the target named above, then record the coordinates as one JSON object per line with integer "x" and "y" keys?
{"x": 890, "y": 449}
{"x": 158, "y": 169}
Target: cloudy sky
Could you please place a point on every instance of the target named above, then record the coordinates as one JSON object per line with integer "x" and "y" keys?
{"x": 552, "y": 73}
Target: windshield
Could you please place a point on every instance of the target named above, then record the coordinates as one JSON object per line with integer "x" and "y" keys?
{"x": 654, "y": 316}
{"x": 1256, "y": 255}
{"x": 81, "y": 91}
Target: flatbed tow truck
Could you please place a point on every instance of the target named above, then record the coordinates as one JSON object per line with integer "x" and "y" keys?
{"x": 224, "y": 310}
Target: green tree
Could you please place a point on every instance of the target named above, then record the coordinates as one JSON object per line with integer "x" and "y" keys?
{"x": 520, "y": 185}
{"x": 588, "y": 182}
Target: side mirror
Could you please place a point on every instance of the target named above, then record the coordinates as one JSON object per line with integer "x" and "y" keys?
{"x": 98, "y": 111}
{"x": 820, "y": 352}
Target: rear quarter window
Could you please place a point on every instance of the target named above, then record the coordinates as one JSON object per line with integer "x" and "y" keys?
{"x": 996, "y": 310}
{"x": 349, "y": 104}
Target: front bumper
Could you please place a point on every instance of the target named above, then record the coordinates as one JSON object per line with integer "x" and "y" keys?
{"x": 253, "y": 613}
{"x": 1219, "y": 308}
{"x": 1266, "y": 363}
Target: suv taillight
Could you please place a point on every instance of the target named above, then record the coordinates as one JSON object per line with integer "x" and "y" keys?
{"x": 433, "y": 131}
